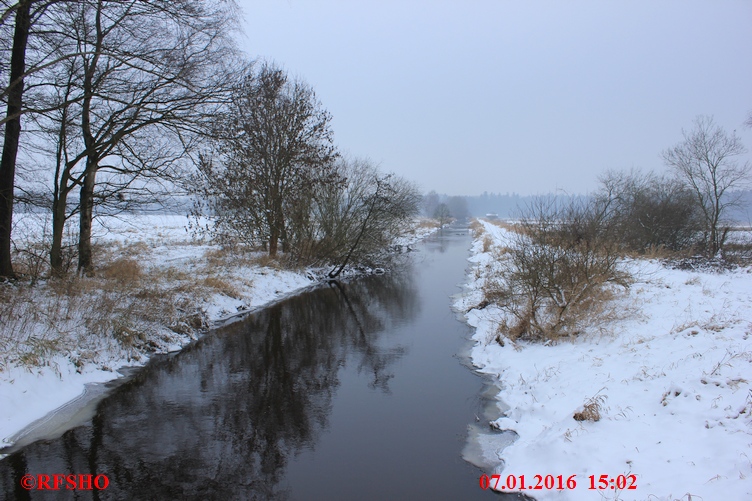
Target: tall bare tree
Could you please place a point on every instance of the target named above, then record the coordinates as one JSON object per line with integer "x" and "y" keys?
{"x": 144, "y": 69}
{"x": 274, "y": 143}
{"x": 706, "y": 161}
{"x": 12, "y": 133}
{"x": 442, "y": 214}
{"x": 31, "y": 18}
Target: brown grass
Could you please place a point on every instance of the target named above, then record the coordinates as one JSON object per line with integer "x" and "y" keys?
{"x": 487, "y": 243}
{"x": 504, "y": 224}
{"x": 118, "y": 309}
{"x": 123, "y": 308}
{"x": 657, "y": 252}
{"x": 230, "y": 256}
{"x": 123, "y": 270}
{"x": 221, "y": 286}
{"x": 427, "y": 223}
{"x": 267, "y": 261}
{"x": 592, "y": 409}
{"x": 171, "y": 274}
{"x": 476, "y": 227}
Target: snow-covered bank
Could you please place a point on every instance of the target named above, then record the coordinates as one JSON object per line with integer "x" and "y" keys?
{"x": 161, "y": 262}
{"x": 671, "y": 381}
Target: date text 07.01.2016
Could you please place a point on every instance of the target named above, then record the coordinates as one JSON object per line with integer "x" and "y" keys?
{"x": 557, "y": 482}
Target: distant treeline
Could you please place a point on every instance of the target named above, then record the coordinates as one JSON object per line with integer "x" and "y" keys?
{"x": 508, "y": 205}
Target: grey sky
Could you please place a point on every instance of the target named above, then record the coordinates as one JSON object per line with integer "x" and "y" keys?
{"x": 512, "y": 96}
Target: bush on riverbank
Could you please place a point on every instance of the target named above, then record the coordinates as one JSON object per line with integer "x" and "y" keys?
{"x": 557, "y": 273}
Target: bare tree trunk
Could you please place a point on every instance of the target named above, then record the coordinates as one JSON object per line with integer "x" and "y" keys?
{"x": 273, "y": 241}
{"x": 59, "y": 217}
{"x": 271, "y": 219}
{"x": 61, "y": 189}
{"x": 58, "y": 224}
{"x": 92, "y": 159}
{"x": 85, "y": 216}
{"x": 276, "y": 223}
{"x": 12, "y": 133}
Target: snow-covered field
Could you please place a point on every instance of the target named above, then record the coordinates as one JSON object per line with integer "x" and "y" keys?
{"x": 671, "y": 379}
{"x": 34, "y": 389}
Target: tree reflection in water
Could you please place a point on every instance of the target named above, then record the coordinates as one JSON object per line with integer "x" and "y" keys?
{"x": 222, "y": 418}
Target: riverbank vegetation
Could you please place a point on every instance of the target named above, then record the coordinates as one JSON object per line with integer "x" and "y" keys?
{"x": 131, "y": 108}
{"x": 119, "y": 119}
{"x": 665, "y": 359}
{"x": 274, "y": 181}
{"x": 564, "y": 262}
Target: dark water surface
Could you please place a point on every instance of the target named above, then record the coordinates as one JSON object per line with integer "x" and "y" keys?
{"x": 343, "y": 393}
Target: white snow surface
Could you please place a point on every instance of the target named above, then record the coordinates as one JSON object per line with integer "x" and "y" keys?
{"x": 673, "y": 377}
{"x": 30, "y": 396}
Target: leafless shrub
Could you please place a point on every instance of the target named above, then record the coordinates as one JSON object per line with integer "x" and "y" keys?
{"x": 31, "y": 261}
{"x": 357, "y": 221}
{"x": 558, "y": 272}
{"x": 648, "y": 214}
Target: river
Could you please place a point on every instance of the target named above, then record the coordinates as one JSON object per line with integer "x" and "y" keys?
{"x": 354, "y": 391}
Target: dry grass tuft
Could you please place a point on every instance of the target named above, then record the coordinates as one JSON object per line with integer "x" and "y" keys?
{"x": 476, "y": 227}
{"x": 592, "y": 409}
{"x": 229, "y": 256}
{"x": 267, "y": 261}
{"x": 221, "y": 286}
{"x": 136, "y": 248}
{"x": 487, "y": 243}
{"x": 124, "y": 270}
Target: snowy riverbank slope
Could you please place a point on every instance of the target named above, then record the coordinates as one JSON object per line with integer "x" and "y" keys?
{"x": 672, "y": 379}
{"x": 47, "y": 350}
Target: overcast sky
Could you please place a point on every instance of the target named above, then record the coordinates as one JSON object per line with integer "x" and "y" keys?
{"x": 467, "y": 96}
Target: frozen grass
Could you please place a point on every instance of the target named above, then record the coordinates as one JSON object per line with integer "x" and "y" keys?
{"x": 662, "y": 392}
{"x": 152, "y": 289}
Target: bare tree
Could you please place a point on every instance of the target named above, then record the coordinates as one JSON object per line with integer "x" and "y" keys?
{"x": 457, "y": 206}
{"x": 12, "y": 131}
{"x": 358, "y": 219}
{"x": 644, "y": 211}
{"x": 705, "y": 161}
{"x": 430, "y": 203}
{"x": 146, "y": 78}
{"x": 274, "y": 143}
{"x": 442, "y": 214}
{"x": 31, "y": 17}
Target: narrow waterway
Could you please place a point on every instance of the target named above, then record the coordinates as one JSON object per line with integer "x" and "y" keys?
{"x": 347, "y": 392}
